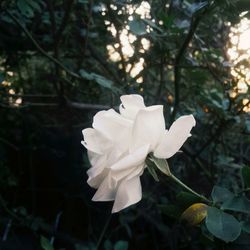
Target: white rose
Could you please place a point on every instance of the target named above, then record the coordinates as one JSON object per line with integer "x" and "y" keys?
{"x": 118, "y": 145}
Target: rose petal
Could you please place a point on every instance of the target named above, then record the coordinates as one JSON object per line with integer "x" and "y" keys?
{"x": 110, "y": 123}
{"x": 130, "y": 106}
{"x": 129, "y": 192}
{"x": 131, "y": 164}
{"x": 96, "y": 173}
{"x": 95, "y": 141}
{"x": 148, "y": 128}
{"x": 115, "y": 127}
{"x": 105, "y": 192}
{"x": 174, "y": 138}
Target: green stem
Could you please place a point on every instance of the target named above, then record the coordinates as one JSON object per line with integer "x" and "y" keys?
{"x": 103, "y": 232}
{"x": 175, "y": 179}
{"x": 163, "y": 166}
{"x": 245, "y": 190}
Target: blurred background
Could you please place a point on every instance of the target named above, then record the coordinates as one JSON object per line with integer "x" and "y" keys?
{"x": 62, "y": 61}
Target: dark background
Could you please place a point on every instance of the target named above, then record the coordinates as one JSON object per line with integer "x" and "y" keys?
{"x": 53, "y": 57}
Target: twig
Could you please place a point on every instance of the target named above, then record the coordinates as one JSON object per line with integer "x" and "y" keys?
{"x": 57, "y": 220}
{"x": 242, "y": 108}
{"x": 50, "y": 7}
{"x": 158, "y": 93}
{"x": 103, "y": 232}
{"x": 64, "y": 22}
{"x": 179, "y": 182}
{"x": 9, "y": 144}
{"x": 6, "y": 230}
{"x": 192, "y": 29}
{"x": 88, "y": 24}
{"x": 76, "y": 105}
{"x": 42, "y": 51}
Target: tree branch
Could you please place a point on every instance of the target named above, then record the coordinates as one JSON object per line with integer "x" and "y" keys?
{"x": 177, "y": 76}
{"x": 42, "y": 51}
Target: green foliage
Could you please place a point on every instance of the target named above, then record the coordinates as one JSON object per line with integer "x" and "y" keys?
{"x": 102, "y": 81}
{"x": 222, "y": 225}
{"x": 220, "y": 194}
{"x": 121, "y": 245}
{"x": 138, "y": 27}
{"x": 45, "y": 244}
{"x": 151, "y": 169}
{"x": 245, "y": 172}
{"x": 57, "y": 71}
{"x": 245, "y": 226}
{"x": 237, "y": 203}
{"x": 161, "y": 164}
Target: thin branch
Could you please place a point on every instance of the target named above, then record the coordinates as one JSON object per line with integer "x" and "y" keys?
{"x": 88, "y": 24}
{"x": 11, "y": 145}
{"x": 75, "y": 105}
{"x": 78, "y": 105}
{"x": 242, "y": 108}
{"x": 177, "y": 76}
{"x": 42, "y": 51}
{"x": 161, "y": 85}
{"x": 64, "y": 22}
{"x": 50, "y": 7}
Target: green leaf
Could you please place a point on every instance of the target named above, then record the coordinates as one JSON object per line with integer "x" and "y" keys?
{"x": 161, "y": 164}
{"x": 45, "y": 244}
{"x": 84, "y": 74}
{"x": 151, "y": 170}
{"x": 121, "y": 245}
{"x": 102, "y": 81}
{"x": 238, "y": 204}
{"x": 108, "y": 245}
{"x": 186, "y": 199}
{"x": 35, "y": 5}
{"x": 25, "y": 8}
{"x": 222, "y": 225}
{"x": 245, "y": 226}
{"x": 138, "y": 27}
{"x": 245, "y": 172}
{"x": 220, "y": 194}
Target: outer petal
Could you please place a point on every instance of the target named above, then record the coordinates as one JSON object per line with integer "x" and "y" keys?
{"x": 130, "y": 165}
{"x": 95, "y": 141}
{"x": 148, "y": 128}
{"x": 97, "y": 173}
{"x": 113, "y": 126}
{"x": 105, "y": 192}
{"x": 176, "y": 136}
{"x": 130, "y": 106}
{"x": 110, "y": 123}
{"x": 129, "y": 192}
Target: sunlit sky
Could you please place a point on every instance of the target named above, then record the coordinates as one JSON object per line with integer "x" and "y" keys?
{"x": 239, "y": 56}
{"x": 127, "y": 39}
